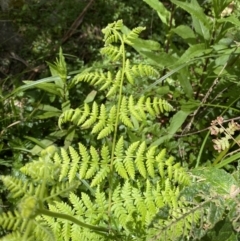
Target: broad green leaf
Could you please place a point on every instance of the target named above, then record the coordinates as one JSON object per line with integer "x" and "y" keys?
{"x": 163, "y": 13}
{"x": 177, "y": 121}
{"x": 228, "y": 160}
{"x": 223, "y": 231}
{"x": 195, "y": 10}
{"x": 175, "y": 124}
{"x": 231, "y": 19}
{"x": 49, "y": 108}
{"x": 49, "y": 140}
{"x": 163, "y": 78}
{"x": 48, "y": 115}
{"x": 161, "y": 59}
{"x": 141, "y": 44}
{"x": 184, "y": 79}
{"x": 190, "y": 105}
{"x": 218, "y": 179}
{"x": 36, "y": 141}
{"x": 90, "y": 97}
{"x": 201, "y": 29}
{"x": 32, "y": 84}
{"x": 194, "y": 51}
{"x": 186, "y": 33}
{"x": 48, "y": 87}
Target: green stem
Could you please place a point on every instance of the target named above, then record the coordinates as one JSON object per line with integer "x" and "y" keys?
{"x": 116, "y": 128}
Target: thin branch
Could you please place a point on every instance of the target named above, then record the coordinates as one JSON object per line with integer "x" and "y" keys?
{"x": 76, "y": 23}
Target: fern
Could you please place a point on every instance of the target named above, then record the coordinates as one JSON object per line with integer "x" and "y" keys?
{"x": 112, "y": 190}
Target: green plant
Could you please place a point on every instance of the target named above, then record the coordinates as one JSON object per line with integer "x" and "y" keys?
{"x": 117, "y": 183}
{"x": 114, "y": 189}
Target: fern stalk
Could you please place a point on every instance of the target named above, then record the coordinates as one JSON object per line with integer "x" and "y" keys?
{"x": 115, "y": 131}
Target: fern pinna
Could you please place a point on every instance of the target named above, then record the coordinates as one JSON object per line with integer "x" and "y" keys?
{"x": 113, "y": 191}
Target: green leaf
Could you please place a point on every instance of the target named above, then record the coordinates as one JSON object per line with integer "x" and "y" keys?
{"x": 163, "y": 13}
{"x": 141, "y": 44}
{"x": 195, "y": 10}
{"x": 161, "y": 59}
{"x": 201, "y": 29}
{"x": 32, "y": 84}
{"x": 90, "y": 97}
{"x": 49, "y": 108}
{"x": 228, "y": 160}
{"x": 184, "y": 79}
{"x": 175, "y": 123}
{"x": 158, "y": 81}
{"x": 218, "y": 179}
{"x": 186, "y": 33}
{"x": 48, "y": 87}
{"x": 223, "y": 231}
{"x": 48, "y": 115}
{"x": 36, "y": 141}
{"x": 190, "y": 105}
{"x": 231, "y": 19}
{"x": 194, "y": 51}
{"x": 49, "y": 140}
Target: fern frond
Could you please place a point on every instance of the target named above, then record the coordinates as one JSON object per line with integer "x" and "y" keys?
{"x": 150, "y": 160}
{"x": 112, "y": 29}
{"x": 94, "y": 163}
{"x": 106, "y": 131}
{"x": 116, "y": 84}
{"x": 117, "y": 208}
{"x": 78, "y": 205}
{"x": 149, "y": 200}
{"x": 64, "y": 117}
{"x": 62, "y": 190}
{"x": 41, "y": 169}
{"x": 54, "y": 226}
{"x": 160, "y": 160}
{"x": 108, "y": 81}
{"x": 16, "y": 186}
{"x": 12, "y": 221}
{"x": 102, "y": 205}
{"x": 14, "y": 236}
{"x": 89, "y": 205}
{"x": 139, "y": 161}
{"x": 65, "y": 164}
{"x": 112, "y": 52}
{"x": 118, "y": 162}
{"x": 133, "y": 34}
{"x": 93, "y": 117}
{"x": 102, "y": 120}
{"x": 149, "y": 107}
{"x": 43, "y": 232}
{"x": 74, "y": 164}
{"x": 132, "y": 108}
{"x": 128, "y": 73}
{"x": 124, "y": 113}
{"x": 142, "y": 70}
{"x": 140, "y": 107}
{"x": 84, "y": 114}
{"x": 105, "y": 169}
{"x": 128, "y": 160}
